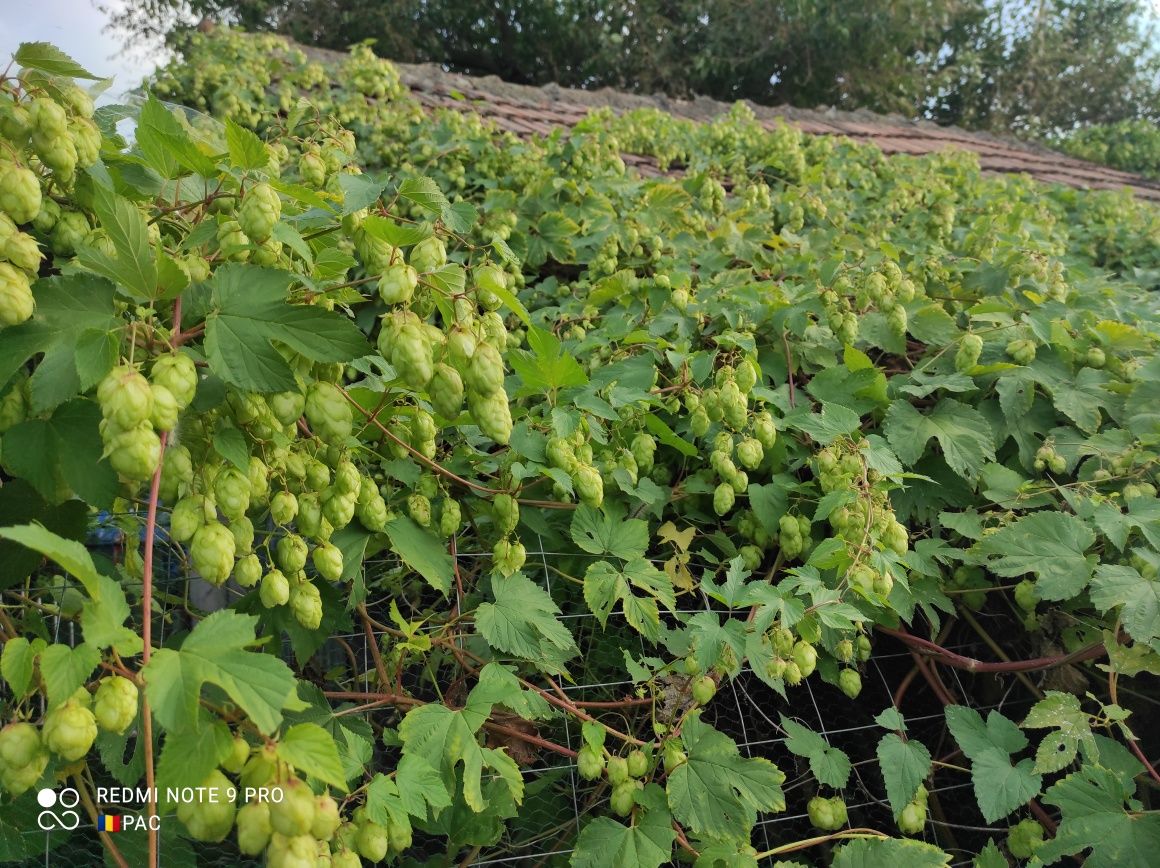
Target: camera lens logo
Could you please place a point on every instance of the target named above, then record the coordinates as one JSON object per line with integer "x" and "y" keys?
{"x": 62, "y": 818}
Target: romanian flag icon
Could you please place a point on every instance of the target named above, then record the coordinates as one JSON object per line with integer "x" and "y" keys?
{"x": 108, "y": 823}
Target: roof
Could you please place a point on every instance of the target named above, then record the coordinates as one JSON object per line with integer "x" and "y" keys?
{"x": 527, "y": 110}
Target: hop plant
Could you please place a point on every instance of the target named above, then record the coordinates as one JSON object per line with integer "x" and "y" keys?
{"x": 261, "y": 208}
{"x": 115, "y": 704}
{"x": 69, "y": 730}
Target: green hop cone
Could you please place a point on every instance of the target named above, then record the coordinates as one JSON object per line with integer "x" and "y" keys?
{"x": 115, "y": 704}
{"x": 275, "y": 589}
{"x": 912, "y": 820}
{"x": 507, "y": 513}
{"x": 260, "y": 211}
{"x": 248, "y": 571}
{"x": 125, "y": 397}
{"x": 178, "y": 374}
{"x": 397, "y": 283}
{"x": 588, "y": 484}
{"x": 291, "y": 553}
{"x": 69, "y": 730}
{"x": 188, "y": 515}
{"x": 19, "y": 193}
{"x": 805, "y": 657}
{"x": 16, "y": 301}
{"x": 492, "y": 414}
{"x": 446, "y": 391}
{"x": 327, "y": 560}
{"x": 411, "y": 356}
{"x": 283, "y": 507}
{"x": 23, "y": 758}
{"x": 253, "y": 822}
{"x": 508, "y": 557}
{"x": 294, "y": 814}
{"x": 306, "y": 604}
{"x": 723, "y": 498}
{"x": 136, "y": 453}
{"x": 210, "y": 815}
{"x": 967, "y": 355}
{"x": 485, "y": 373}
{"x": 850, "y": 682}
{"x": 231, "y": 489}
{"x": 372, "y": 841}
{"x": 430, "y": 254}
{"x": 1023, "y": 839}
{"x": 326, "y": 818}
{"x": 590, "y": 763}
{"x": 328, "y": 413}
{"x": 165, "y": 409}
{"x": 704, "y": 689}
{"x": 212, "y": 552}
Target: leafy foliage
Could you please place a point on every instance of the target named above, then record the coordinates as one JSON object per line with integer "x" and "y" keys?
{"x": 529, "y": 424}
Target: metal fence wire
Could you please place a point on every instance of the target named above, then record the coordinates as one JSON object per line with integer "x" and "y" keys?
{"x": 557, "y": 802}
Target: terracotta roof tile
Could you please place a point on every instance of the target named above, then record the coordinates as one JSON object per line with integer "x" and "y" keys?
{"x": 526, "y": 110}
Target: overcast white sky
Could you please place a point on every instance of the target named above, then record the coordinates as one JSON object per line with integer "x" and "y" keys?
{"x": 75, "y": 27}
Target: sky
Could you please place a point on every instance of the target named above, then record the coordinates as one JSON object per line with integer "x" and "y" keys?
{"x": 76, "y": 28}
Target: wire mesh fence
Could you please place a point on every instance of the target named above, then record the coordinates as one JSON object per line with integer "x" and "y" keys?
{"x": 558, "y": 803}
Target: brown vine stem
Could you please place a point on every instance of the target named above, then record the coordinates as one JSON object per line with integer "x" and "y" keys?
{"x": 966, "y": 615}
{"x": 147, "y": 625}
{"x": 147, "y": 642}
{"x": 970, "y": 664}
{"x": 107, "y": 841}
{"x": 1113, "y": 678}
{"x": 400, "y": 699}
{"x": 373, "y": 644}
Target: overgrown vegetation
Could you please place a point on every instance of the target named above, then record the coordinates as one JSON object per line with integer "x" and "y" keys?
{"x": 791, "y": 404}
{"x": 1133, "y": 146}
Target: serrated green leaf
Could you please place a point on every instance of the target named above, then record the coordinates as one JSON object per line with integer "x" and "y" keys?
{"x": 1095, "y": 819}
{"x": 1138, "y": 598}
{"x": 48, "y": 58}
{"x": 17, "y": 663}
{"x": 825, "y": 427}
{"x": 963, "y": 435}
{"x": 103, "y": 620}
{"x": 447, "y": 739}
{"x": 425, "y": 193}
{"x": 889, "y": 853}
{"x": 547, "y": 367}
{"x": 133, "y": 265}
{"x": 69, "y": 554}
{"x": 646, "y": 842}
{"x": 1049, "y": 544}
{"x": 359, "y": 191}
{"x": 250, "y": 310}
{"x": 216, "y": 652}
{"x": 829, "y": 765}
{"x": 904, "y": 765}
{"x": 245, "y": 148}
{"x": 312, "y": 750}
{"x": 422, "y": 551}
{"x": 64, "y": 669}
{"x": 599, "y": 533}
{"x": 230, "y": 444}
{"x": 717, "y": 792}
{"x": 606, "y": 585}
{"x": 523, "y": 622}
{"x": 188, "y": 755}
